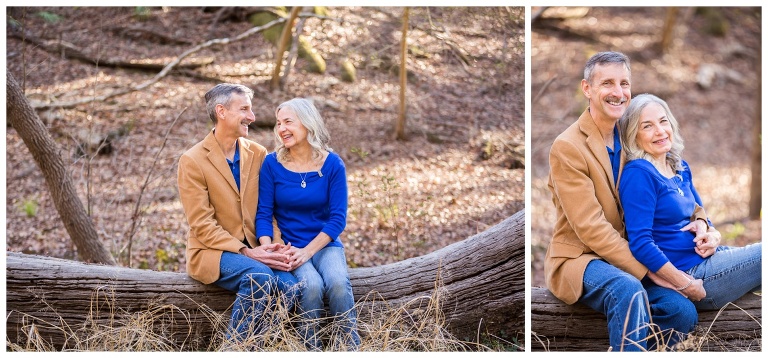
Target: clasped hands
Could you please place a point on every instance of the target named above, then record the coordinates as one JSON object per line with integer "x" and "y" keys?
{"x": 278, "y": 256}
{"x": 707, "y": 240}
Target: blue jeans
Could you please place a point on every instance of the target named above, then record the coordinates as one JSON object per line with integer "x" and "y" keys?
{"x": 255, "y": 284}
{"x": 325, "y": 274}
{"x": 625, "y": 301}
{"x": 729, "y": 274}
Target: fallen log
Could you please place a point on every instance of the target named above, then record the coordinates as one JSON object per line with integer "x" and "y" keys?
{"x": 556, "y": 326}
{"x": 482, "y": 280}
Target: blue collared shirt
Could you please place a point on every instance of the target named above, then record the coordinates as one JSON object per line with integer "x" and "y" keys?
{"x": 615, "y": 154}
{"x": 234, "y": 165}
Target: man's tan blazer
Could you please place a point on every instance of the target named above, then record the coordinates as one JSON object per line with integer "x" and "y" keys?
{"x": 589, "y": 222}
{"x": 219, "y": 216}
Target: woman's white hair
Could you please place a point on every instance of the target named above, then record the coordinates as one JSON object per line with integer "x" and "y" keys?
{"x": 628, "y": 128}
{"x": 317, "y": 134}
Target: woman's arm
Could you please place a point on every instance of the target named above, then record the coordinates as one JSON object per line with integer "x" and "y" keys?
{"x": 337, "y": 204}
{"x": 265, "y": 208}
{"x": 638, "y": 195}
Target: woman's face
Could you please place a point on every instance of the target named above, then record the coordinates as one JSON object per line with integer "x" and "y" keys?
{"x": 654, "y": 132}
{"x": 289, "y": 128}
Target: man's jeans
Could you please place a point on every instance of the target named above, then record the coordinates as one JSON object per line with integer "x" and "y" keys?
{"x": 729, "y": 274}
{"x": 256, "y": 285}
{"x": 625, "y": 301}
{"x": 325, "y": 274}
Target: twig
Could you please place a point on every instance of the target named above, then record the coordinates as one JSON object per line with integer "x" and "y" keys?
{"x": 166, "y": 69}
{"x": 543, "y": 88}
{"x": 135, "y": 218}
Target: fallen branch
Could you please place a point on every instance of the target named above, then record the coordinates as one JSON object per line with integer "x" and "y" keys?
{"x": 483, "y": 278}
{"x": 69, "y": 50}
{"x": 173, "y": 64}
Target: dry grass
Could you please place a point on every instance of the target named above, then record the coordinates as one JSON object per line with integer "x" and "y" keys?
{"x": 415, "y": 325}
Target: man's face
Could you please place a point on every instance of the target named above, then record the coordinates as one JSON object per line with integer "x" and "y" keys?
{"x": 235, "y": 118}
{"x": 609, "y": 91}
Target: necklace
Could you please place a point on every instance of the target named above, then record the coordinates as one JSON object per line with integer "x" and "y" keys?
{"x": 303, "y": 180}
{"x": 679, "y": 191}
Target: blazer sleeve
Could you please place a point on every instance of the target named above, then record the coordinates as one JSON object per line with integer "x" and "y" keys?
{"x": 576, "y": 191}
{"x": 194, "y": 195}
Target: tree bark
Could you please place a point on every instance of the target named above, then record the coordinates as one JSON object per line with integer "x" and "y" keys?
{"x": 482, "y": 280}
{"x": 282, "y": 45}
{"x": 756, "y": 187}
{"x": 44, "y": 150}
{"x": 400, "y": 124}
{"x": 668, "y": 31}
{"x": 556, "y": 326}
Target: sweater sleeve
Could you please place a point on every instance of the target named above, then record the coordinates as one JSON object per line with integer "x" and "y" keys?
{"x": 696, "y": 196}
{"x": 337, "y": 200}
{"x": 266, "y": 199}
{"x": 638, "y": 196}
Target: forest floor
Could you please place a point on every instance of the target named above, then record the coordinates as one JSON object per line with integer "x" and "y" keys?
{"x": 716, "y": 121}
{"x": 457, "y": 174}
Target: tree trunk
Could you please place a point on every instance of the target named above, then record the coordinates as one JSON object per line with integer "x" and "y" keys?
{"x": 668, "y": 31}
{"x": 282, "y": 45}
{"x": 400, "y": 124}
{"x": 44, "y": 150}
{"x": 556, "y": 326}
{"x": 756, "y": 188}
{"x": 482, "y": 279}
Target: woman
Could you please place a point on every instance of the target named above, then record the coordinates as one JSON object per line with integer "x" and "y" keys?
{"x": 658, "y": 198}
{"x": 304, "y": 185}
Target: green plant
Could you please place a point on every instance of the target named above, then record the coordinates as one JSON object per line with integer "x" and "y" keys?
{"x": 360, "y": 152}
{"x": 30, "y": 207}
{"x": 142, "y": 13}
{"x": 731, "y": 233}
{"x": 49, "y": 16}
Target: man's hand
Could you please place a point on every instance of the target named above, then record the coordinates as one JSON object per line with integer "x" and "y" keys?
{"x": 272, "y": 255}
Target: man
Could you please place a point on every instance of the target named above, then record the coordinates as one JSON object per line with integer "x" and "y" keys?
{"x": 218, "y": 182}
{"x": 588, "y": 259}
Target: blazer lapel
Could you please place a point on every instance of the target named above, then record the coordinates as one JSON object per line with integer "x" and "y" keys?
{"x": 216, "y": 156}
{"x": 597, "y": 145}
{"x": 245, "y": 164}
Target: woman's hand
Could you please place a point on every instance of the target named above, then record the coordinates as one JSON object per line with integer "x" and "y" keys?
{"x": 299, "y": 256}
{"x": 707, "y": 244}
{"x": 695, "y": 291}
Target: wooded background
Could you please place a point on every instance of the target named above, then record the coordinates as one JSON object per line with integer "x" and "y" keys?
{"x": 705, "y": 62}
{"x": 709, "y": 74}
{"x": 425, "y": 106}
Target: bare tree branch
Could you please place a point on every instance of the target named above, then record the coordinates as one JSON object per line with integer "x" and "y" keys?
{"x": 136, "y": 217}
{"x": 164, "y": 72}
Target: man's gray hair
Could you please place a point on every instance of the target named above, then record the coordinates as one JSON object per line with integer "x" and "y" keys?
{"x": 222, "y": 94}
{"x": 602, "y": 58}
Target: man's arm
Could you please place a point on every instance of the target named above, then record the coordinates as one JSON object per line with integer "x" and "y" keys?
{"x": 194, "y": 195}
{"x": 575, "y": 189}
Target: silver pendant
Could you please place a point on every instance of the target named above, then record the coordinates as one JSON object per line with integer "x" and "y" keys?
{"x": 304, "y": 185}
{"x": 680, "y": 191}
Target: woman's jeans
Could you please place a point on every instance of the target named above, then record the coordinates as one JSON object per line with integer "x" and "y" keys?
{"x": 729, "y": 274}
{"x": 257, "y": 286}
{"x": 325, "y": 274}
{"x": 625, "y": 301}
